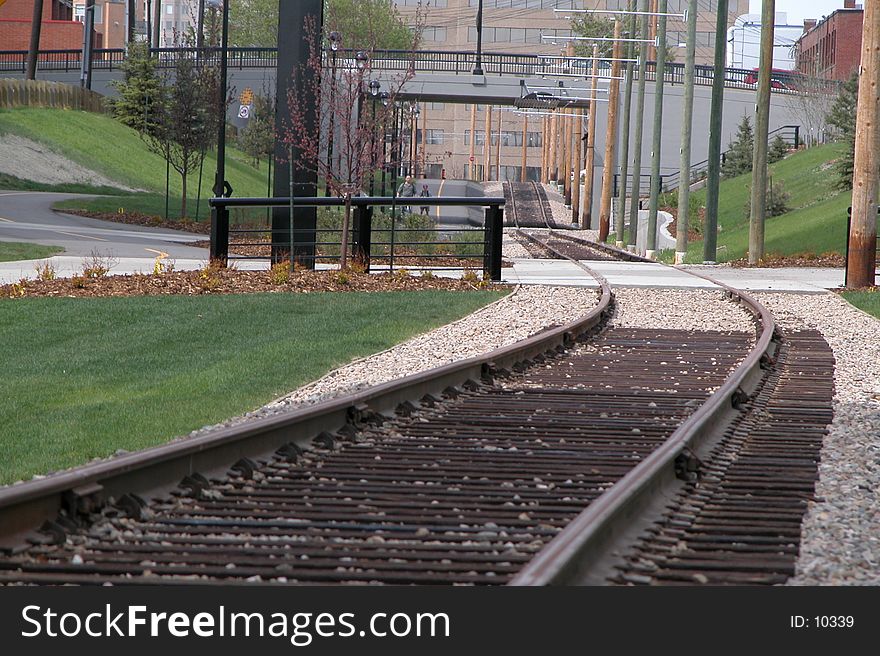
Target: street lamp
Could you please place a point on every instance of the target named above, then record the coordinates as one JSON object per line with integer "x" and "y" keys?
{"x": 335, "y": 40}
{"x": 478, "y": 64}
{"x": 220, "y": 217}
{"x": 414, "y": 150}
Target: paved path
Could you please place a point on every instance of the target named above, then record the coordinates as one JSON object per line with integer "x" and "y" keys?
{"x": 27, "y": 217}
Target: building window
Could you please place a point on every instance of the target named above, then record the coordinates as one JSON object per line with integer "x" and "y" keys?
{"x": 434, "y": 34}
{"x": 432, "y": 137}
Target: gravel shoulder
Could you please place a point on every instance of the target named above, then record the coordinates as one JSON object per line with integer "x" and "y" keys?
{"x": 840, "y": 536}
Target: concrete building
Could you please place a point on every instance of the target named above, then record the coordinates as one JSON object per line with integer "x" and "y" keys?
{"x": 831, "y": 48}
{"x": 518, "y": 27}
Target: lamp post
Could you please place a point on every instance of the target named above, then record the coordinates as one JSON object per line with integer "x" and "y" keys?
{"x": 478, "y": 64}
{"x": 385, "y": 97}
{"x": 414, "y": 145}
{"x": 220, "y": 217}
{"x": 335, "y": 40}
{"x": 374, "y": 93}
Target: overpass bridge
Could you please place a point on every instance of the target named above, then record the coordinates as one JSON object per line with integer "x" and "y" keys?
{"x": 447, "y": 76}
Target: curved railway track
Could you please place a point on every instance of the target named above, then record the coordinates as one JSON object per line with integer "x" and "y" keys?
{"x": 523, "y": 466}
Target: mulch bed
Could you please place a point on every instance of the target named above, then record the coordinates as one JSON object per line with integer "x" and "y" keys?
{"x": 148, "y": 220}
{"x": 774, "y": 261}
{"x": 215, "y": 280}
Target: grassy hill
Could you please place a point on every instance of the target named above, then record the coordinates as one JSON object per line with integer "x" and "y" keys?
{"x": 105, "y": 146}
{"x": 816, "y": 222}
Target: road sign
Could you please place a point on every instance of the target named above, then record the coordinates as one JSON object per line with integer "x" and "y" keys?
{"x": 247, "y": 96}
{"x": 471, "y": 159}
{"x": 244, "y": 111}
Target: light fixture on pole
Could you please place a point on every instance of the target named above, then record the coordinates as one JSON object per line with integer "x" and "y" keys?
{"x": 220, "y": 217}
{"x": 335, "y": 40}
{"x": 478, "y": 64}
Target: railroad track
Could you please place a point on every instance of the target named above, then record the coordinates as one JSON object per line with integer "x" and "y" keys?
{"x": 516, "y": 467}
{"x": 527, "y": 205}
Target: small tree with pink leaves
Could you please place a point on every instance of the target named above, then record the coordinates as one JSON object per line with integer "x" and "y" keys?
{"x": 343, "y": 141}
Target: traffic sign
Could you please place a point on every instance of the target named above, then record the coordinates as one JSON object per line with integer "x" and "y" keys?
{"x": 244, "y": 111}
{"x": 471, "y": 158}
{"x": 247, "y": 96}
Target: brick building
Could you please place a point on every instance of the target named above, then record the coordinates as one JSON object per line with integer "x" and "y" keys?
{"x": 831, "y": 48}
{"x": 59, "y": 30}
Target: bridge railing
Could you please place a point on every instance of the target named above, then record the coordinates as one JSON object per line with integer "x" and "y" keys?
{"x": 455, "y": 62}
{"x": 790, "y": 134}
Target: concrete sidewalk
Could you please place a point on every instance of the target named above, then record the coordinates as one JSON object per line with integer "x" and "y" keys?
{"x": 524, "y": 271}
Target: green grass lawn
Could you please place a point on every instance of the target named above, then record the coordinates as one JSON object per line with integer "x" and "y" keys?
{"x": 124, "y": 158}
{"x": 869, "y": 301}
{"x": 13, "y": 250}
{"x": 85, "y": 377}
{"x": 817, "y": 220}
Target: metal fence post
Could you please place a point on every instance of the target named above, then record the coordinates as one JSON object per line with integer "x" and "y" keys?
{"x": 219, "y": 233}
{"x": 493, "y": 235}
{"x": 363, "y": 226}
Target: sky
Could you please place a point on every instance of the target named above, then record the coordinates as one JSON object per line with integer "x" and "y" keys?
{"x": 798, "y": 10}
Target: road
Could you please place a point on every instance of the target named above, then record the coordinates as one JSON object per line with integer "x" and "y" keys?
{"x": 27, "y": 217}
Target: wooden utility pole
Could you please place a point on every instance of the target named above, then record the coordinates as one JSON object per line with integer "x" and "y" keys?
{"x": 487, "y": 144}
{"x": 472, "y": 162}
{"x": 762, "y": 118}
{"x": 610, "y": 139}
{"x": 566, "y": 157}
{"x": 551, "y": 149}
{"x": 578, "y": 164}
{"x": 587, "y": 209}
{"x": 545, "y": 145}
{"x": 653, "y": 37}
{"x": 498, "y": 146}
{"x": 654, "y": 201}
{"x": 862, "y": 261}
{"x": 34, "y": 47}
{"x": 525, "y": 138}
{"x": 684, "y": 170}
{"x": 637, "y": 141}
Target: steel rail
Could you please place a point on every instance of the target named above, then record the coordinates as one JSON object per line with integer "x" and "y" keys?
{"x": 585, "y": 549}
{"x": 157, "y": 470}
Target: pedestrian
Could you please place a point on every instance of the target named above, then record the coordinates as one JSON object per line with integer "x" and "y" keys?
{"x": 425, "y": 194}
{"x": 406, "y": 190}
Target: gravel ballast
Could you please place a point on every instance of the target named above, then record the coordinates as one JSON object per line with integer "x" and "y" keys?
{"x": 527, "y": 311}
{"x": 840, "y": 536}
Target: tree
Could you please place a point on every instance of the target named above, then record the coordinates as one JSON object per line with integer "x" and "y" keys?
{"x": 358, "y": 132}
{"x": 590, "y": 25}
{"x": 738, "y": 158}
{"x": 778, "y": 150}
{"x": 141, "y": 91}
{"x": 843, "y": 117}
{"x": 810, "y": 102}
{"x": 186, "y": 121}
{"x": 362, "y": 23}
{"x": 776, "y": 202}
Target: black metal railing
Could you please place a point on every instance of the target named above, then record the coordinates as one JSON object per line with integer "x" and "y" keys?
{"x": 456, "y": 62}
{"x": 388, "y": 243}
{"x": 790, "y": 134}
